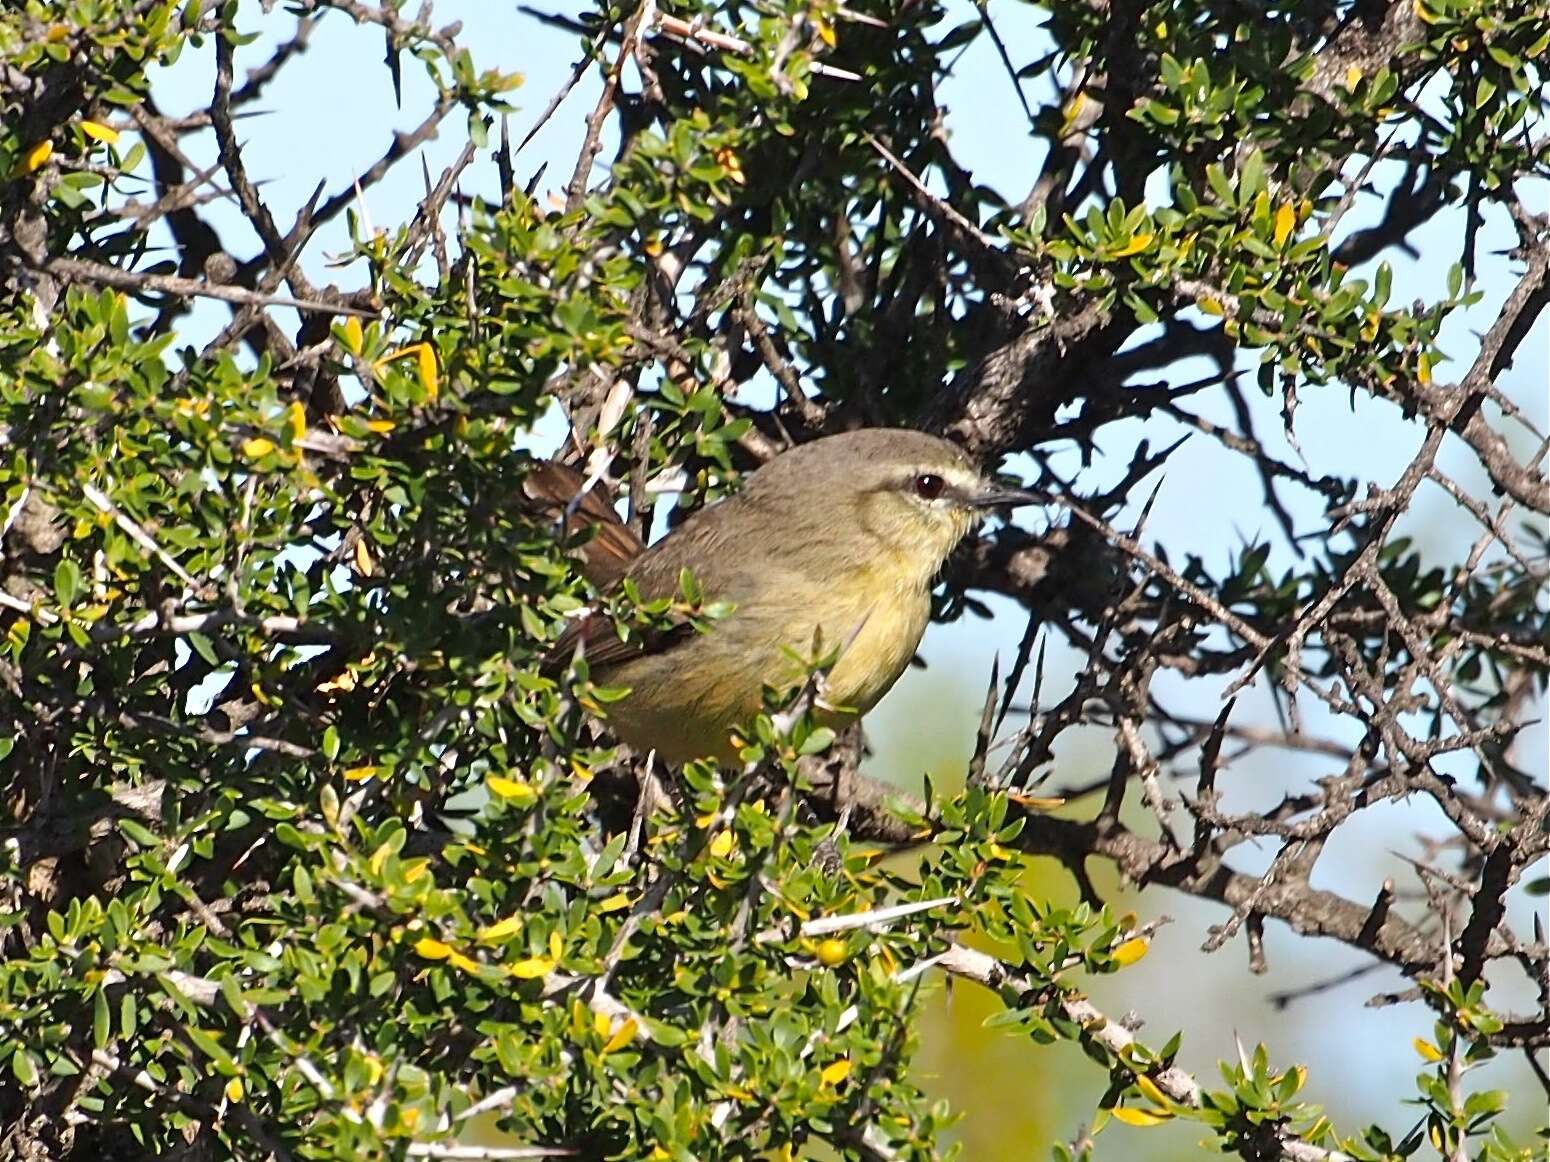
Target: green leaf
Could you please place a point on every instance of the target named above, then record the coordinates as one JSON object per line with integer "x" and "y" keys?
{"x": 67, "y": 581}
{"x": 24, "y": 1067}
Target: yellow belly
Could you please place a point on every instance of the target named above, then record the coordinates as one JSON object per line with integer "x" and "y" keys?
{"x": 685, "y": 702}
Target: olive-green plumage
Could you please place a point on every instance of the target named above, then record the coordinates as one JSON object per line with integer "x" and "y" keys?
{"x": 842, "y": 537}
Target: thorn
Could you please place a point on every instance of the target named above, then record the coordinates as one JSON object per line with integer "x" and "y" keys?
{"x": 987, "y": 726}
{"x": 1146, "y": 509}
{"x": 1019, "y": 664}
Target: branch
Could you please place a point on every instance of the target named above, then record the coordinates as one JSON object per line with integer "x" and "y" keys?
{"x": 1306, "y": 910}
{"x": 81, "y": 270}
{"x": 1178, "y": 1085}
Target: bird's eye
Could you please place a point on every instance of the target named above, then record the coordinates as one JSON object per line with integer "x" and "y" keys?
{"x": 928, "y": 486}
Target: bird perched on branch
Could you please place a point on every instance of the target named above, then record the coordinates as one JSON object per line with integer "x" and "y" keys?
{"x": 838, "y": 540}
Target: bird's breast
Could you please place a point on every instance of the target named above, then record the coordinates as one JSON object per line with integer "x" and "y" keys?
{"x": 685, "y": 700}
{"x": 890, "y": 628}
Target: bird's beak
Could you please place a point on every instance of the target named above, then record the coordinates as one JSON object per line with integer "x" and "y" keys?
{"x": 996, "y": 497}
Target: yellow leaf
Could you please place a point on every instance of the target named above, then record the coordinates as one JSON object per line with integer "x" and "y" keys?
{"x": 512, "y": 789}
{"x": 532, "y": 968}
{"x": 705, "y": 820}
{"x": 256, "y": 447}
{"x": 1423, "y": 369}
{"x": 723, "y": 845}
{"x": 1131, "y": 950}
{"x": 1427, "y": 1050}
{"x": 462, "y": 963}
{"x": 501, "y": 929}
{"x": 741, "y": 1094}
{"x": 728, "y": 161}
{"x": 1286, "y": 220}
{"x": 1211, "y": 305}
{"x": 344, "y": 683}
{"x": 379, "y": 859}
{"x": 33, "y": 159}
{"x": 1353, "y": 77}
{"x": 556, "y": 944}
{"x": 1035, "y": 803}
{"x": 101, "y": 132}
{"x": 825, "y": 30}
{"x": 1135, "y": 1117}
{"x": 432, "y": 949}
{"x": 416, "y": 868}
{"x": 1149, "y": 1090}
{"x": 1135, "y": 246}
{"x": 296, "y": 416}
{"x": 234, "y": 1089}
{"x": 429, "y": 378}
{"x": 623, "y": 1035}
{"x": 835, "y": 1072}
{"x": 1071, "y": 113}
{"x": 380, "y": 427}
{"x": 615, "y": 902}
{"x": 352, "y": 336}
{"x": 361, "y": 774}
{"x": 363, "y": 562}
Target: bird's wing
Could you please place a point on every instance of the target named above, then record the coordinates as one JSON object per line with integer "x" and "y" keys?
{"x": 656, "y": 571}
{"x": 559, "y": 493}
{"x": 594, "y": 633}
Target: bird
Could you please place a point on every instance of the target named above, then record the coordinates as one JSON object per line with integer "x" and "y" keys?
{"x": 837, "y": 541}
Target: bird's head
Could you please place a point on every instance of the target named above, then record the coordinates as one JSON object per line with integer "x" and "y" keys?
{"x": 877, "y": 492}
